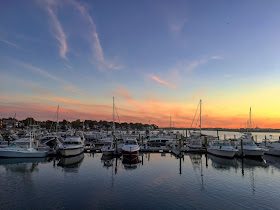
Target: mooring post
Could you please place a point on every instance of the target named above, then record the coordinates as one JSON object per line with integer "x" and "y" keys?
{"x": 142, "y": 141}
{"x": 242, "y": 147}
{"x": 206, "y": 144}
{"x": 116, "y": 142}
{"x": 180, "y": 147}
{"x": 234, "y": 136}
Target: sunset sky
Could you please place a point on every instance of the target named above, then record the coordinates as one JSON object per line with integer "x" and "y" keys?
{"x": 157, "y": 58}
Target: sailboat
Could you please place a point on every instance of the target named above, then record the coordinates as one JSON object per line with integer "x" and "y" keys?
{"x": 108, "y": 147}
{"x": 194, "y": 142}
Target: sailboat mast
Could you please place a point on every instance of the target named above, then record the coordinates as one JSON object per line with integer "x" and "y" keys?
{"x": 113, "y": 115}
{"x": 250, "y": 119}
{"x": 57, "y": 118}
{"x": 200, "y": 116}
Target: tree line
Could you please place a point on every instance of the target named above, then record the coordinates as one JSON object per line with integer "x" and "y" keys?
{"x": 78, "y": 124}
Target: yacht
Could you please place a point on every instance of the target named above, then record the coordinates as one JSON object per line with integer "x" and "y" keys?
{"x": 22, "y": 148}
{"x": 108, "y": 148}
{"x": 130, "y": 147}
{"x": 222, "y": 148}
{"x": 250, "y": 149}
{"x": 71, "y": 146}
{"x": 272, "y": 146}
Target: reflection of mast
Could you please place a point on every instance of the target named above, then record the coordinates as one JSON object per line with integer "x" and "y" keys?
{"x": 201, "y": 174}
{"x": 180, "y": 170}
{"x": 196, "y": 160}
{"x": 252, "y": 177}
{"x": 242, "y": 165}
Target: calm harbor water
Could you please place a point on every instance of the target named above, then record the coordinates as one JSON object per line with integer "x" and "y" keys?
{"x": 157, "y": 181}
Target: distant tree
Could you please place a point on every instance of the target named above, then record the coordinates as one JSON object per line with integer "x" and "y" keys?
{"x": 76, "y": 123}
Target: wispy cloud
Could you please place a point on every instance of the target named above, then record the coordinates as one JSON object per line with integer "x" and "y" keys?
{"x": 123, "y": 92}
{"x": 157, "y": 79}
{"x": 59, "y": 33}
{"x": 217, "y": 57}
{"x": 97, "y": 49}
{"x": 68, "y": 66}
{"x": 9, "y": 43}
{"x": 189, "y": 67}
{"x": 72, "y": 89}
{"x": 40, "y": 71}
{"x": 177, "y": 27}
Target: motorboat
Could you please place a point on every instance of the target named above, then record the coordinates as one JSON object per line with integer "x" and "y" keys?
{"x": 250, "y": 149}
{"x": 71, "y": 146}
{"x": 130, "y": 147}
{"x": 108, "y": 148}
{"x": 272, "y": 146}
{"x": 22, "y": 148}
{"x": 222, "y": 148}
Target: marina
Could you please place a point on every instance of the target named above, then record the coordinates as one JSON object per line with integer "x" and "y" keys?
{"x": 156, "y": 180}
{"x": 139, "y": 169}
{"x": 139, "y": 104}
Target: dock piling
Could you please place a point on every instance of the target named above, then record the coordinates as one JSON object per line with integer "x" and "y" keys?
{"x": 242, "y": 147}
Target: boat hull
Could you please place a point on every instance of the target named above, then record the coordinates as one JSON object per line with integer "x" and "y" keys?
{"x": 223, "y": 153}
{"x": 251, "y": 153}
{"x": 108, "y": 152}
{"x": 22, "y": 154}
{"x": 273, "y": 151}
{"x": 130, "y": 153}
{"x": 71, "y": 151}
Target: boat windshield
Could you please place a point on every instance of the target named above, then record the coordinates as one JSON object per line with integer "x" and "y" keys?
{"x": 130, "y": 143}
{"x": 220, "y": 143}
{"x": 249, "y": 143}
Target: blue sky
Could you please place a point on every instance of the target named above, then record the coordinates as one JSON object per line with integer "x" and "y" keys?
{"x": 147, "y": 51}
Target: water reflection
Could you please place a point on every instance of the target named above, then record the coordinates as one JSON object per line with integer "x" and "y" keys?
{"x": 22, "y": 165}
{"x": 196, "y": 160}
{"x": 221, "y": 163}
{"x": 107, "y": 160}
{"x": 71, "y": 164}
{"x": 251, "y": 163}
{"x": 273, "y": 161}
{"x": 130, "y": 163}
{"x": 160, "y": 183}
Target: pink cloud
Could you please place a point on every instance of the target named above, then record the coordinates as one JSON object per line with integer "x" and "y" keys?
{"x": 162, "y": 82}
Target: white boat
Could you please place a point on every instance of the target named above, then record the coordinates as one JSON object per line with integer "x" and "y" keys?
{"x": 108, "y": 148}
{"x": 272, "y": 146}
{"x": 71, "y": 146}
{"x": 22, "y": 149}
{"x": 250, "y": 149}
{"x": 130, "y": 148}
{"x": 221, "y": 148}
